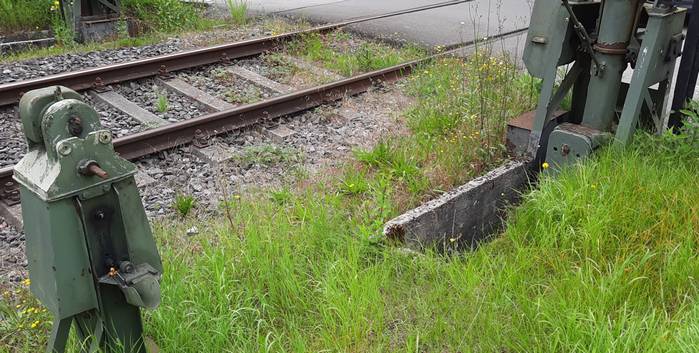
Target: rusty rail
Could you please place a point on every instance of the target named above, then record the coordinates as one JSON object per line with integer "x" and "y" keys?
{"x": 10, "y": 93}
{"x": 172, "y": 135}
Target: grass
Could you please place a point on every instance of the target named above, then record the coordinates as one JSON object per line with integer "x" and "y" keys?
{"x": 267, "y": 155}
{"x": 24, "y": 15}
{"x": 249, "y": 94}
{"x": 238, "y": 10}
{"x": 337, "y": 52}
{"x": 601, "y": 258}
{"x": 576, "y": 270}
{"x": 166, "y": 16}
{"x": 184, "y": 204}
{"x": 162, "y": 104}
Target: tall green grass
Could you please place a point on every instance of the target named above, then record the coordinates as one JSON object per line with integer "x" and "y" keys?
{"x": 24, "y": 15}
{"x": 238, "y": 10}
{"x": 602, "y": 258}
{"x": 165, "y": 15}
{"x": 336, "y": 53}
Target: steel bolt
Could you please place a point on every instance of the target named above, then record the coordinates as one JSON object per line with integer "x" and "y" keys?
{"x": 565, "y": 149}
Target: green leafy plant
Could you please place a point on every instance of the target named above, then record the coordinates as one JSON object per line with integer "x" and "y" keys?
{"x": 64, "y": 34}
{"x": 184, "y": 204}
{"x": 238, "y": 9}
{"x": 162, "y": 103}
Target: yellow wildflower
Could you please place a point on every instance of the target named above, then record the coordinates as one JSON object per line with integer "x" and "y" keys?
{"x": 545, "y": 165}
{"x": 27, "y": 282}
{"x": 35, "y": 324}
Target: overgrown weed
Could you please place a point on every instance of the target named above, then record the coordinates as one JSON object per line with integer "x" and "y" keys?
{"x": 184, "y": 204}
{"x": 24, "y": 15}
{"x": 347, "y": 60}
{"x": 238, "y": 10}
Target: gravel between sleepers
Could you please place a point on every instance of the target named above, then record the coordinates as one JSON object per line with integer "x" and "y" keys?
{"x": 148, "y": 92}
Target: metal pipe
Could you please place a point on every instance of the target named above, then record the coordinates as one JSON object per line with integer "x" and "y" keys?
{"x": 615, "y": 30}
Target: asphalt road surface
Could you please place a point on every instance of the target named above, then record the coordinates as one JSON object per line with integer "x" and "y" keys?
{"x": 442, "y": 26}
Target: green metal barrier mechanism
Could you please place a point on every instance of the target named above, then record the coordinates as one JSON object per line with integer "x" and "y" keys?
{"x": 600, "y": 39}
{"x": 92, "y": 258}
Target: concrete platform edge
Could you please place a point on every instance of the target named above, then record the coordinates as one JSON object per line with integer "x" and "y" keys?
{"x": 464, "y": 216}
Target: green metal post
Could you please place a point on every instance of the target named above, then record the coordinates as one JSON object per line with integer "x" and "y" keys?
{"x": 615, "y": 30}
{"x": 652, "y": 66}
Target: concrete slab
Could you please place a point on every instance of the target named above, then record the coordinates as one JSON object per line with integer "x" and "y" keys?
{"x": 260, "y": 80}
{"x": 464, "y": 216}
{"x": 12, "y": 214}
{"x": 119, "y": 102}
{"x": 214, "y": 154}
{"x": 181, "y": 87}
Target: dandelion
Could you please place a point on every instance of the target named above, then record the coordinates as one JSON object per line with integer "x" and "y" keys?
{"x": 27, "y": 282}
{"x": 545, "y": 165}
{"x": 35, "y": 324}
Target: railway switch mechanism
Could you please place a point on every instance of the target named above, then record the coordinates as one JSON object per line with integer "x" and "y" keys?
{"x": 92, "y": 258}
{"x": 596, "y": 41}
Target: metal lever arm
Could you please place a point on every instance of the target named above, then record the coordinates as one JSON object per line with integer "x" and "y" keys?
{"x": 582, "y": 33}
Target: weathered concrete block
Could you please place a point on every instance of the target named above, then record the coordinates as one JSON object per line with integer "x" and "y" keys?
{"x": 279, "y": 133}
{"x": 181, "y": 87}
{"x": 12, "y": 215}
{"x": 143, "y": 179}
{"x": 464, "y": 216}
{"x": 214, "y": 154}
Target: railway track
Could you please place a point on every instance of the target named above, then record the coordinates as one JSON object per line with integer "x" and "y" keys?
{"x": 222, "y": 117}
{"x": 80, "y": 80}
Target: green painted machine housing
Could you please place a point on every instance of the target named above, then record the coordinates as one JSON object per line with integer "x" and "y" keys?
{"x": 82, "y": 227}
{"x": 597, "y": 40}
{"x": 551, "y": 38}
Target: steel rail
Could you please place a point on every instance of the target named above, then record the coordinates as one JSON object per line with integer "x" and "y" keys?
{"x": 10, "y": 93}
{"x": 176, "y": 134}
{"x": 184, "y": 132}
